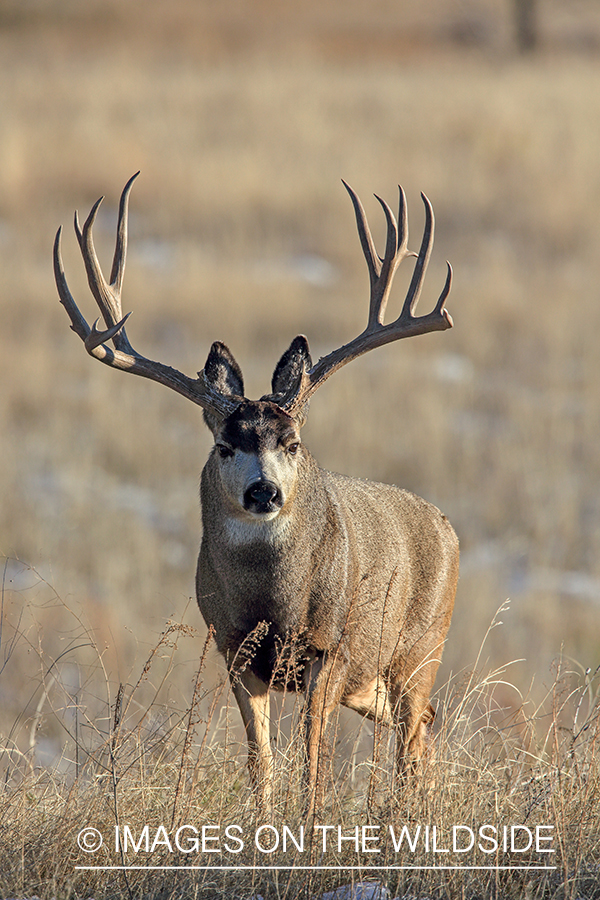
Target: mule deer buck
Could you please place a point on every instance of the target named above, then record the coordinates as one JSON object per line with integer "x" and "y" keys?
{"x": 312, "y": 581}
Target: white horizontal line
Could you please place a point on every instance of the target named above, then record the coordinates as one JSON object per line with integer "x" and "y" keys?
{"x": 313, "y": 868}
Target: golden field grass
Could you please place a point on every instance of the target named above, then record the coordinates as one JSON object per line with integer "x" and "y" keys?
{"x": 508, "y": 807}
{"x": 243, "y": 119}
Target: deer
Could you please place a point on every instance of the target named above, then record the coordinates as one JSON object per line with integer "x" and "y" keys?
{"x": 338, "y": 588}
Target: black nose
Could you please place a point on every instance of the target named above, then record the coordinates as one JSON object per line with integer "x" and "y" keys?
{"x": 262, "y": 496}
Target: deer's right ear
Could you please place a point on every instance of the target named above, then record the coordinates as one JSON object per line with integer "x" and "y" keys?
{"x": 224, "y": 376}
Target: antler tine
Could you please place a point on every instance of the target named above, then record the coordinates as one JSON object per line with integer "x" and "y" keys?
{"x": 440, "y": 309}
{"x": 99, "y": 336}
{"x": 118, "y": 266}
{"x": 108, "y": 298}
{"x": 78, "y": 322}
{"x": 381, "y": 273}
{"x": 416, "y": 283}
{"x": 403, "y": 222}
{"x": 390, "y": 262}
{"x": 364, "y": 233}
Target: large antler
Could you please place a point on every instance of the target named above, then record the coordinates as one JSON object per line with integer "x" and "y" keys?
{"x": 381, "y": 275}
{"x": 108, "y": 298}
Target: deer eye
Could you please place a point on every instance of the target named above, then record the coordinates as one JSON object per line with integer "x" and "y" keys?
{"x": 293, "y": 448}
{"x": 224, "y": 451}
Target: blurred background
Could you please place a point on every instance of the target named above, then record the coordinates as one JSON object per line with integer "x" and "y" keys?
{"x": 243, "y": 117}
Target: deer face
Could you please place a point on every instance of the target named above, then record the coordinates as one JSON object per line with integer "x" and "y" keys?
{"x": 257, "y": 446}
{"x": 257, "y": 449}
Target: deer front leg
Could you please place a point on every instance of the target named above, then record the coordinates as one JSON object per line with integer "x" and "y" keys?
{"x": 324, "y": 683}
{"x": 252, "y": 697}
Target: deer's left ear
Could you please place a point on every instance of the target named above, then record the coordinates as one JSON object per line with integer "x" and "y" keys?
{"x": 289, "y": 374}
{"x": 291, "y": 367}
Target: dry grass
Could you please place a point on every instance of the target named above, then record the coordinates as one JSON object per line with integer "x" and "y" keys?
{"x": 134, "y": 758}
{"x": 243, "y": 120}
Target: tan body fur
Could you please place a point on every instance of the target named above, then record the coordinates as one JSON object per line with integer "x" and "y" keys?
{"x": 357, "y": 577}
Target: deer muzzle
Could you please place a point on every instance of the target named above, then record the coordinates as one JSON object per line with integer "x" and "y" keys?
{"x": 262, "y": 497}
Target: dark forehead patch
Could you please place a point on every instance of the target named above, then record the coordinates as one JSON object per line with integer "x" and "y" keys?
{"x": 256, "y": 425}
